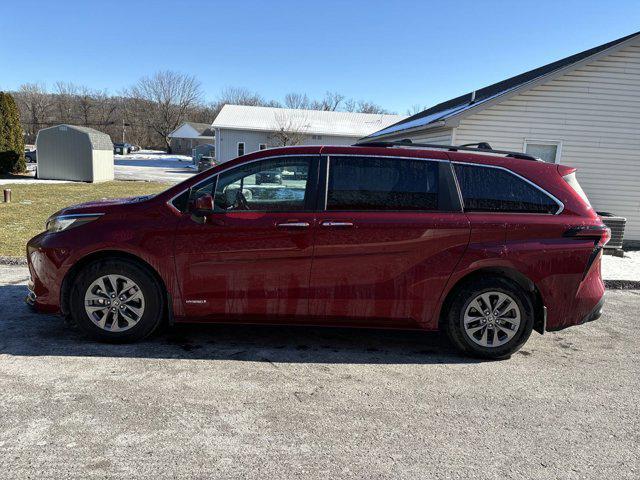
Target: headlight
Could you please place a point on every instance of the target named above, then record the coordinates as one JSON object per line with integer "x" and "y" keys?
{"x": 65, "y": 222}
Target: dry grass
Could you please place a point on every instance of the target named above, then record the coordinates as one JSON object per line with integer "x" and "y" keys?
{"x": 32, "y": 204}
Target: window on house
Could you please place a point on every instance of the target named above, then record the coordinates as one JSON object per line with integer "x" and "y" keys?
{"x": 240, "y": 149}
{"x": 486, "y": 189}
{"x": 316, "y": 137}
{"x": 359, "y": 183}
{"x": 549, "y": 151}
{"x": 262, "y": 146}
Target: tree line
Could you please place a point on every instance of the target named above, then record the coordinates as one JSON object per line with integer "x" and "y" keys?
{"x": 145, "y": 113}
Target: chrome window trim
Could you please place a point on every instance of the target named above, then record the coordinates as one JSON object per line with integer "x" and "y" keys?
{"x": 526, "y": 180}
{"x": 326, "y": 186}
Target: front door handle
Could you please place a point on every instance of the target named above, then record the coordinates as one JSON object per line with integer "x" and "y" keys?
{"x": 337, "y": 224}
{"x": 293, "y": 225}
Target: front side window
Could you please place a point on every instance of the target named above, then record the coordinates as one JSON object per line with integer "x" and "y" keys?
{"x": 370, "y": 183}
{"x": 487, "y": 189}
{"x": 275, "y": 185}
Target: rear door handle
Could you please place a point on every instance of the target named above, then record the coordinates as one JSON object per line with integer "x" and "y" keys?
{"x": 293, "y": 225}
{"x": 337, "y": 224}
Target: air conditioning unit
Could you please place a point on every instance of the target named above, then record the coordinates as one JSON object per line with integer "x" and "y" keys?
{"x": 616, "y": 224}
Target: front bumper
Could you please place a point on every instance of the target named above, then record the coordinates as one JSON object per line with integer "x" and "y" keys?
{"x": 47, "y": 268}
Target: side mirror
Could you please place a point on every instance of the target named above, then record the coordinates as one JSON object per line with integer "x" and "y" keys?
{"x": 204, "y": 204}
{"x": 201, "y": 207}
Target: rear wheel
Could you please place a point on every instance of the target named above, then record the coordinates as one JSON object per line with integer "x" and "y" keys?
{"x": 116, "y": 301}
{"x": 490, "y": 318}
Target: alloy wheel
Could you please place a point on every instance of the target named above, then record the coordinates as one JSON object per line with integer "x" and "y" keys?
{"x": 115, "y": 303}
{"x": 491, "y": 319}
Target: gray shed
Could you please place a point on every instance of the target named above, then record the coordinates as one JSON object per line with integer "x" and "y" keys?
{"x": 69, "y": 152}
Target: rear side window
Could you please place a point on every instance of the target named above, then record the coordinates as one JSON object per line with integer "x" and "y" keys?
{"x": 486, "y": 189}
{"x": 368, "y": 183}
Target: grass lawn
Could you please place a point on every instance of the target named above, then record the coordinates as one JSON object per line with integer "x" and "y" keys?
{"x": 32, "y": 204}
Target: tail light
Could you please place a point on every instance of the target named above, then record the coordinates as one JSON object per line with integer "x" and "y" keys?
{"x": 600, "y": 234}
{"x": 569, "y": 176}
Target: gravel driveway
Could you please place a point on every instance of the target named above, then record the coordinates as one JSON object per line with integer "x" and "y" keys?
{"x": 275, "y": 402}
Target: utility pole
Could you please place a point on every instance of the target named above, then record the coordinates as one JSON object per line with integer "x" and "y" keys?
{"x": 124, "y": 129}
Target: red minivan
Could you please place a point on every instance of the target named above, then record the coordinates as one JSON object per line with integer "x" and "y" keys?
{"x": 487, "y": 245}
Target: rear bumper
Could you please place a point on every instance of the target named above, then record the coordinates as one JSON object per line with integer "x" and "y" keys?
{"x": 594, "y": 314}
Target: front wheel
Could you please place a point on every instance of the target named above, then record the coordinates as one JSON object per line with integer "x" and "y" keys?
{"x": 116, "y": 301}
{"x": 490, "y": 318}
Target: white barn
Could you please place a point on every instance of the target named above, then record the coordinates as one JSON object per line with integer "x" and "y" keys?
{"x": 188, "y": 136}
{"x": 241, "y": 129}
{"x": 583, "y": 111}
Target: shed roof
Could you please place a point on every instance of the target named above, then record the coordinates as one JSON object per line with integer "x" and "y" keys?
{"x": 458, "y": 105}
{"x": 99, "y": 140}
{"x": 317, "y": 122}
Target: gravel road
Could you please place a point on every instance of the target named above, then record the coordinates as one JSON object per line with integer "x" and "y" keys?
{"x": 274, "y": 402}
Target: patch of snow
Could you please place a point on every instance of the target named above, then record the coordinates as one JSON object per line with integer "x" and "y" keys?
{"x": 28, "y": 180}
{"x": 153, "y": 166}
{"x": 621, "y": 268}
{"x": 151, "y": 155}
{"x": 418, "y": 122}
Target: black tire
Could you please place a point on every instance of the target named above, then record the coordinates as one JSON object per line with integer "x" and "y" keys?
{"x": 151, "y": 290}
{"x": 454, "y": 322}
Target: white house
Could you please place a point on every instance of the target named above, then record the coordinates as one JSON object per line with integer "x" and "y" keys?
{"x": 243, "y": 129}
{"x": 583, "y": 111}
{"x": 188, "y": 136}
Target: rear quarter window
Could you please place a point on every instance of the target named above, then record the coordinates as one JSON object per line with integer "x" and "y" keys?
{"x": 489, "y": 189}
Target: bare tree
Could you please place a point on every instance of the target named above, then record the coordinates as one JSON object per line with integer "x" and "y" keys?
{"x": 297, "y": 100}
{"x": 290, "y": 130}
{"x": 169, "y": 97}
{"x": 85, "y": 105}
{"x": 369, "y": 107}
{"x": 35, "y": 104}
{"x": 350, "y": 105}
{"x": 64, "y": 97}
{"x": 240, "y": 96}
{"x": 331, "y": 102}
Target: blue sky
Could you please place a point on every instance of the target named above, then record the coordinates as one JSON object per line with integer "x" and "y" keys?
{"x": 395, "y": 53}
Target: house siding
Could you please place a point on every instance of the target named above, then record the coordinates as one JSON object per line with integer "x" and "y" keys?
{"x": 438, "y": 136}
{"x": 594, "y": 111}
{"x": 227, "y": 142}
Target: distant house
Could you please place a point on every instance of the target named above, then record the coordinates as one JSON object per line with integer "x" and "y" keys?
{"x": 583, "y": 111}
{"x": 242, "y": 129}
{"x": 189, "y": 135}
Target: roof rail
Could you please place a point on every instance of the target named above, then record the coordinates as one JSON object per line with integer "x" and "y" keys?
{"x": 481, "y": 147}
